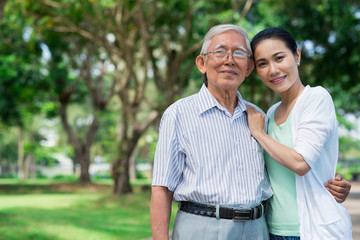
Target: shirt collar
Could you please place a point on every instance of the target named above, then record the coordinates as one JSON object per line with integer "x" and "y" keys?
{"x": 208, "y": 101}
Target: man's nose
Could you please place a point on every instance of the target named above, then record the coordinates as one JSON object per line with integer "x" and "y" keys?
{"x": 230, "y": 55}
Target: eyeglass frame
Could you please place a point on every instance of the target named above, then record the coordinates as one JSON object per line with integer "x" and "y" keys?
{"x": 247, "y": 55}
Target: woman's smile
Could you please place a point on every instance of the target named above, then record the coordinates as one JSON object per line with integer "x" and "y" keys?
{"x": 278, "y": 80}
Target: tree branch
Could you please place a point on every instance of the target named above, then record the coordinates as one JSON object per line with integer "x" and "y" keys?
{"x": 246, "y": 9}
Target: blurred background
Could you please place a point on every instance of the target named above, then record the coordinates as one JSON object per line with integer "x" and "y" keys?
{"x": 83, "y": 85}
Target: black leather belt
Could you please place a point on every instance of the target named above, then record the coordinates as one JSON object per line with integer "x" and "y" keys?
{"x": 236, "y": 214}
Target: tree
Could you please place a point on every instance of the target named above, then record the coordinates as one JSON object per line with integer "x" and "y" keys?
{"x": 21, "y": 80}
{"x": 149, "y": 49}
{"x": 2, "y": 5}
{"x": 82, "y": 56}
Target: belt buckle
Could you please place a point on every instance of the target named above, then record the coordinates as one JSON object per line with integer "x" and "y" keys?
{"x": 238, "y": 215}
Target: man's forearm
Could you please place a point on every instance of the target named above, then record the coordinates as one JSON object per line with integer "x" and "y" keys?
{"x": 160, "y": 212}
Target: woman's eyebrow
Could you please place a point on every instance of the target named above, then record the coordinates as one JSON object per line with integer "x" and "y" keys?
{"x": 274, "y": 55}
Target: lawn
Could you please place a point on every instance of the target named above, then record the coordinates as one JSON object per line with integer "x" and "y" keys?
{"x": 60, "y": 211}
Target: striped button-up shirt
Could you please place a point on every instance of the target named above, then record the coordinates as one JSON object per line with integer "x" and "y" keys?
{"x": 205, "y": 154}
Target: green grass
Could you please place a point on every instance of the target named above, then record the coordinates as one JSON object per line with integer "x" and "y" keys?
{"x": 72, "y": 213}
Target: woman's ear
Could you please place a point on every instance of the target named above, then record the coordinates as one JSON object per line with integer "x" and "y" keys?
{"x": 298, "y": 56}
{"x": 200, "y": 63}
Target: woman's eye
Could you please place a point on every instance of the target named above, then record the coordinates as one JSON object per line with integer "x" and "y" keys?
{"x": 262, "y": 64}
{"x": 279, "y": 58}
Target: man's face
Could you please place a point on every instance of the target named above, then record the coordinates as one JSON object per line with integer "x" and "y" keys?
{"x": 227, "y": 73}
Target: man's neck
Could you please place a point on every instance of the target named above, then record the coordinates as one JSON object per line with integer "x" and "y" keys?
{"x": 227, "y": 99}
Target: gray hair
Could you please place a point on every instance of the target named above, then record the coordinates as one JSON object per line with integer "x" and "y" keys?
{"x": 216, "y": 30}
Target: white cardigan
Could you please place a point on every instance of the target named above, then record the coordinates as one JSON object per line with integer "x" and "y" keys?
{"x": 315, "y": 137}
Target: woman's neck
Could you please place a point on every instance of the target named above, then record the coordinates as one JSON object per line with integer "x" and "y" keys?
{"x": 289, "y": 97}
{"x": 288, "y": 100}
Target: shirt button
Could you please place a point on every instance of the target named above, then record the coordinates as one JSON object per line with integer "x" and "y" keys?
{"x": 240, "y": 168}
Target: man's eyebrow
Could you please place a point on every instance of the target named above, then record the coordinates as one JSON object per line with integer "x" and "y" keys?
{"x": 241, "y": 47}
{"x": 219, "y": 46}
{"x": 224, "y": 46}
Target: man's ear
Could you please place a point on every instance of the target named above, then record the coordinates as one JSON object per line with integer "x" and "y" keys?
{"x": 200, "y": 63}
{"x": 251, "y": 66}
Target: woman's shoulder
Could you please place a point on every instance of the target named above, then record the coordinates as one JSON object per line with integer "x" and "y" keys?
{"x": 314, "y": 99}
{"x": 272, "y": 109}
{"x": 316, "y": 91}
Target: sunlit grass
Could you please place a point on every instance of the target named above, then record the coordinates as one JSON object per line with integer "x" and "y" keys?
{"x": 70, "y": 179}
{"x": 81, "y": 214}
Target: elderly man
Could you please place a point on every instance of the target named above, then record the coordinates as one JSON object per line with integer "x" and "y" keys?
{"x": 206, "y": 158}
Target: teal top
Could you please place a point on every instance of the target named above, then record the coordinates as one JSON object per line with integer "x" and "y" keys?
{"x": 282, "y": 214}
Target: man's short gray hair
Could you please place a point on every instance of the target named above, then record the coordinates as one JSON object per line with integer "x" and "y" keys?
{"x": 218, "y": 29}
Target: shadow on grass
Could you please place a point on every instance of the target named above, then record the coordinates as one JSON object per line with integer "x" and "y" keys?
{"x": 12, "y": 228}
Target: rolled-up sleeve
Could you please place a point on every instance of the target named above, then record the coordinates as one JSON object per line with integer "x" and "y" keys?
{"x": 169, "y": 160}
{"x": 317, "y": 121}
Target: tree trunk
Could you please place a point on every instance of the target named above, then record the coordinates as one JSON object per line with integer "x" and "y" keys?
{"x": 2, "y": 6}
{"x": 121, "y": 176}
{"x": 29, "y": 160}
{"x": 29, "y": 166}
{"x": 21, "y": 172}
{"x": 132, "y": 168}
{"x": 121, "y": 167}
{"x": 84, "y": 159}
{"x": 82, "y": 147}
{"x": 32, "y": 167}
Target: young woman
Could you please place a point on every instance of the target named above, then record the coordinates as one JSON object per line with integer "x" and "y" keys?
{"x": 301, "y": 145}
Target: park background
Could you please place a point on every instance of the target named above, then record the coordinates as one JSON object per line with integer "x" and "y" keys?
{"x": 83, "y": 85}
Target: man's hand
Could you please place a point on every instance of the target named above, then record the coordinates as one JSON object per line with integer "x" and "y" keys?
{"x": 339, "y": 188}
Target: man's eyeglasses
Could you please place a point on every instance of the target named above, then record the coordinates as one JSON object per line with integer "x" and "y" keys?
{"x": 222, "y": 54}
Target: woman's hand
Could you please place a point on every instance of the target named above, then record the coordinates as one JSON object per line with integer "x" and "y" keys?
{"x": 281, "y": 153}
{"x": 256, "y": 121}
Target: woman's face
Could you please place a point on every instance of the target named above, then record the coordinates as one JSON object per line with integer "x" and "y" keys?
{"x": 276, "y": 65}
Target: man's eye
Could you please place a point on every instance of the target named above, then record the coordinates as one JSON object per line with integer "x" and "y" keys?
{"x": 239, "y": 54}
{"x": 221, "y": 52}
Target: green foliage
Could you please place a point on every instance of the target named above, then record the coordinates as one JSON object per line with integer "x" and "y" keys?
{"x": 44, "y": 156}
{"x": 8, "y": 145}
{"x": 348, "y": 172}
{"x": 20, "y": 67}
{"x": 349, "y": 147}
{"x": 328, "y": 33}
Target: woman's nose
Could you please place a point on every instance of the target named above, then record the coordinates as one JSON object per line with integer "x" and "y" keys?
{"x": 273, "y": 69}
